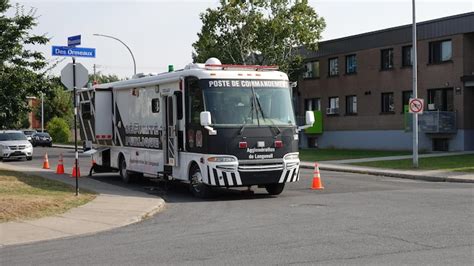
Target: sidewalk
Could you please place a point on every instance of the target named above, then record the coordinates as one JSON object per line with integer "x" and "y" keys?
{"x": 427, "y": 175}
{"x": 114, "y": 207}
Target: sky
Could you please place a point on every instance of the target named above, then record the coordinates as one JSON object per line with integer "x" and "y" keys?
{"x": 161, "y": 33}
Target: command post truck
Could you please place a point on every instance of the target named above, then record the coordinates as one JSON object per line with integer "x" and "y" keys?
{"x": 211, "y": 125}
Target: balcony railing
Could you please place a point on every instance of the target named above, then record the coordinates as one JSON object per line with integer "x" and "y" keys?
{"x": 433, "y": 122}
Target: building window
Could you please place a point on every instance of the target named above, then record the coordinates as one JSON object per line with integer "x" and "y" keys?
{"x": 406, "y": 95}
{"x": 155, "y": 105}
{"x": 333, "y": 106}
{"x": 333, "y": 67}
{"x": 312, "y": 70}
{"x": 441, "y": 100}
{"x": 407, "y": 56}
{"x": 351, "y": 64}
{"x": 351, "y": 104}
{"x": 387, "y": 59}
{"x": 387, "y": 103}
{"x": 440, "y": 51}
{"x": 313, "y": 104}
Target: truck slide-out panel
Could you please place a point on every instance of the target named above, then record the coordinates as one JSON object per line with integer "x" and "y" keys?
{"x": 103, "y": 116}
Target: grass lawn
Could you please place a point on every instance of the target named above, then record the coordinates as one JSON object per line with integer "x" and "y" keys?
{"x": 458, "y": 163}
{"x": 316, "y": 155}
{"x": 24, "y": 196}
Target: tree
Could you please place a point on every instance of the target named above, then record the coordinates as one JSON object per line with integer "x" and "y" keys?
{"x": 263, "y": 32}
{"x": 57, "y": 102}
{"x": 21, "y": 72}
{"x": 59, "y": 130}
{"x": 103, "y": 78}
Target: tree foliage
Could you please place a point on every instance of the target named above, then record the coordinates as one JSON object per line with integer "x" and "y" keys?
{"x": 263, "y": 32}
{"x": 59, "y": 130}
{"x": 103, "y": 78}
{"x": 57, "y": 102}
{"x": 21, "y": 69}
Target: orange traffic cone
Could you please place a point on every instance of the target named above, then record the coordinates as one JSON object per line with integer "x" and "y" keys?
{"x": 45, "y": 161}
{"x": 74, "y": 171}
{"x": 60, "y": 167}
{"x": 317, "y": 184}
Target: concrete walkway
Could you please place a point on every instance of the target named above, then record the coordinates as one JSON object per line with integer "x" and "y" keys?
{"x": 114, "y": 207}
{"x": 428, "y": 175}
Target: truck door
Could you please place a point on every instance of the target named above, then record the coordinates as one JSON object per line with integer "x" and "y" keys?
{"x": 170, "y": 132}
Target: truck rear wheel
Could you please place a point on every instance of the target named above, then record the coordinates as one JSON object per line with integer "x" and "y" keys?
{"x": 197, "y": 187}
{"x": 275, "y": 189}
{"x": 126, "y": 176}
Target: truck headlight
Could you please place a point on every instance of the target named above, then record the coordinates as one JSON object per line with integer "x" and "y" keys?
{"x": 291, "y": 156}
{"x": 4, "y": 147}
{"x": 227, "y": 159}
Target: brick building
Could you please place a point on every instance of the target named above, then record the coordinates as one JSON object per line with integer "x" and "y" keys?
{"x": 360, "y": 87}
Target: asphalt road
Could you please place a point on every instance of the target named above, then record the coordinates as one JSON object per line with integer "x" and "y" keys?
{"x": 356, "y": 219}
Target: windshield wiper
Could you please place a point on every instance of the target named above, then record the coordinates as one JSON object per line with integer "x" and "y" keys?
{"x": 252, "y": 108}
{"x": 263, "y": 117}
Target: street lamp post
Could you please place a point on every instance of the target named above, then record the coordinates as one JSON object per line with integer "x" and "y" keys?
{"x": 117, "y": 39}
{"x": 42, "y": 112}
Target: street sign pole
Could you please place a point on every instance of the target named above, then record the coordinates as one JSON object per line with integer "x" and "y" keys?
{"x": 78, "y": 79}
{"x": 76, "y": 165}
{"x": 415, "y": 93}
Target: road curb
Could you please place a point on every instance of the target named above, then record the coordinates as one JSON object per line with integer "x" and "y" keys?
{"x": 391, "y": 174}
{"x": 64, "y": 146}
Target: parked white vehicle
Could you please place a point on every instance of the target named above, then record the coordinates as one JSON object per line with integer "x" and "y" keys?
{"x": 14, "y": 145}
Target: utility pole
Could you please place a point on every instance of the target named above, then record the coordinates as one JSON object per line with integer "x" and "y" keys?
{"x": 415, "y": 90}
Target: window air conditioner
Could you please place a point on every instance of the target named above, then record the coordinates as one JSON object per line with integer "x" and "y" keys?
{"x": 331, "y": 111}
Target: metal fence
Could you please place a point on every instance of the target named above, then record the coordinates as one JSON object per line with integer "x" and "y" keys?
{"x": 433, "y": 122}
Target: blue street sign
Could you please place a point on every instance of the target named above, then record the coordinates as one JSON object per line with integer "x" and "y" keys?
{"x": 74, "y": 40}
{"x": 73, "y": 51}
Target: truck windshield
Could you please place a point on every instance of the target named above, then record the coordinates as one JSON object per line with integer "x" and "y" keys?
{"x": 249, "y": 102}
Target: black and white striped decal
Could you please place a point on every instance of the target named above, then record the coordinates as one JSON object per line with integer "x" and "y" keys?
{"x": 291, "y": 175}
{"x": 216, "y": 177}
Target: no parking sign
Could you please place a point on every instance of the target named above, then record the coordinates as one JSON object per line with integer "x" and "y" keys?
{"x": 416, "y": 105}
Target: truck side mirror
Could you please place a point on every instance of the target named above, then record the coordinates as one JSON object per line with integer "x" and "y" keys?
{"x": 205, "y": 118}
{"x": 309, "y": 121}
{"x": 309, "y": 118}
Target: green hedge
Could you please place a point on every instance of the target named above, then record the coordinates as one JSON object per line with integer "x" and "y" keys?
{"x": 58, "y": 128}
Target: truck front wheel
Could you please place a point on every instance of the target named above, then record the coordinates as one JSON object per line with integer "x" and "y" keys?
{"x": 275, "y": 189}
{"x": 197, "y": 187}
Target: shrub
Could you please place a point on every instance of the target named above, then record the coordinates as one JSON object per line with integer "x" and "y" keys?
{"x": 59, "y": 130}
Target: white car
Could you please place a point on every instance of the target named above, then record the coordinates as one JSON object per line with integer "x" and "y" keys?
{"x": 14, "y": 145}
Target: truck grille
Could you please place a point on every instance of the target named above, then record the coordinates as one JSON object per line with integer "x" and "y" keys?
{"x": 261, "y": 165}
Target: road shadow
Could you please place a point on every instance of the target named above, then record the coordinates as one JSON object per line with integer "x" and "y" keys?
{"x": 178, "y": 192}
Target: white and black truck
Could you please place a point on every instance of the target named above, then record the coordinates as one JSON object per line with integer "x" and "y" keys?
{"x": 211, "y": 125}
